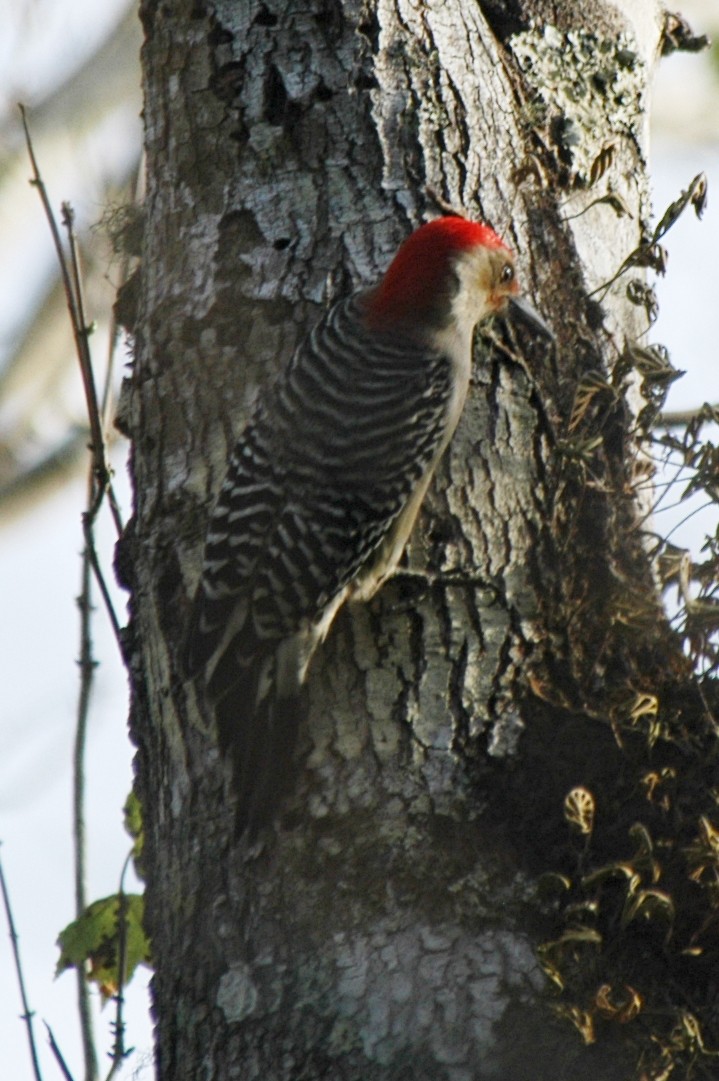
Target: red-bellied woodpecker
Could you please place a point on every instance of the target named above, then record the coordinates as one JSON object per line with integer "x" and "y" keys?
{"x": 325, "y": 483}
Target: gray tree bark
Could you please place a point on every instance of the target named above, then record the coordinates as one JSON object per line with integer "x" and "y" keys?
{"x": 388, "y": 926}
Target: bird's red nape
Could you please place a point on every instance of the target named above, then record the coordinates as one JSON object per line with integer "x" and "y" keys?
{"x": 420, "y": 266}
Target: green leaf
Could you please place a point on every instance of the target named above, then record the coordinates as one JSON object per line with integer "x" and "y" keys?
{"x": 91, "y": 943}
{"x": 132, "y": 812}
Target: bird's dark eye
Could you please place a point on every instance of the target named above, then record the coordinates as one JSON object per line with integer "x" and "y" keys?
{"x": 507, "y": 274}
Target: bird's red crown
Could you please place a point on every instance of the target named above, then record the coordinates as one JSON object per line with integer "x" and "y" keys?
{"x": 419, "y": 268}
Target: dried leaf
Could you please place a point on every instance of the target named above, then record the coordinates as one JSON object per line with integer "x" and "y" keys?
{"x": 581, "y": 1019}
{"x": 550, "y": 970}
{"x": 654, "y": 783}
{"x": 648, "y": 905}
{"x": 653, "y": 256}
{"x": 620, "y": 1007}
{"x": 592, "y": 386}
{"x": 696, "y": 194}
{"x": 552, "y": 884}
{"x": 132, "y": 814}
{"x": 653, "y": 362}
{"x": 677, "y": 34}
{"x": 613, "y": 870}
{"x": 643, "y": 296}
{"x": 699, "y": 195}
{"x": 644, "y": 705}
{"x": 603, "y": 161}
{"x": 579, "y": 808}
{"x": 618, "y": 204}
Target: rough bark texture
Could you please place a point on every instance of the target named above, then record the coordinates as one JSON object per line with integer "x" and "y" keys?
{"x": 387, "y": 928}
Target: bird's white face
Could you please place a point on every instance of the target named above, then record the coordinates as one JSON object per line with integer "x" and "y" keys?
{"x": 486, "y": 281}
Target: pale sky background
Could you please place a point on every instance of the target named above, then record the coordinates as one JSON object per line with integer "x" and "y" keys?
{"x": 39, "y": 566}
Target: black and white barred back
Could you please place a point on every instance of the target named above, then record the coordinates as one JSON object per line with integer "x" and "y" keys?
{"x": 332, "y": 453}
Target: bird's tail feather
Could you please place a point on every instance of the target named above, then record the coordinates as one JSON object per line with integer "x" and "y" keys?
{"x": 257, "y": 733}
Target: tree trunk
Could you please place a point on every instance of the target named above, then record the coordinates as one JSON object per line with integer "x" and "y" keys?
{"x": 388, "y": 925}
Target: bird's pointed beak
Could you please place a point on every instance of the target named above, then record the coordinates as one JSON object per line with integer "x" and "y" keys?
{"x": 529, "y": 316}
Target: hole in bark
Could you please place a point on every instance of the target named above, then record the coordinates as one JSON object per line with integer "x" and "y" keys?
{"x": 239, "y": 232}
{"x": 366, "y": 82}
{"x": 369, "y": 29}
{"x": 275, "y": 97}
{"x": 219, "y": 35}
{"x": 282, "y": 243}
{"x": 323, "y": 92}
{"x": 505, "y": 17}
{"x": 330, "y": 17}
{"x": 279, "y": 110}
{"x": 227, "y": 81}
{"x": 265, "y": 17}
{"x": 240, "y": 134}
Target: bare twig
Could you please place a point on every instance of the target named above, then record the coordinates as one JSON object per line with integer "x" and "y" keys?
{"x": 71, "y": 279}
{"x": 87, "y": 666}
{"x": 72, "y": 282}
{"x": 58, "y": 1054}
{"x": 82, "y": 330}
{"x": 119, "y": 1052}
{"x": 74, "y": 303}
{"x": 87, "y": 526}
{"x": 27, "y": 1014}
{"x": 100, "y": 483}
{"x": 680, "y": 418}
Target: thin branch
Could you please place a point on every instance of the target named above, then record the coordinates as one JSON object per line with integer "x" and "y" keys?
{"x": 118, "y": 1051}
{"x": 71, "y": 279}
{"x": 82, "y": 332}
{"x": 87, "y": 666}
{"x": 685, "y": 519}
{"x": 100, "y": 482}
{"x": 657, "y": 507}
{"x": 58, "y": 1054}
{"x": 78, "y": 327}
{"x": 680, "y": 418}
{"x": 72, "y": 282}
{"x": 88, "y": 533}
{"x": 27, "y": 1014}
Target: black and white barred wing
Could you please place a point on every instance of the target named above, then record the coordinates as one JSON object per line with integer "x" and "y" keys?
{"x": 321, "y": 474}
{"x": 332, "y": 454}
